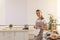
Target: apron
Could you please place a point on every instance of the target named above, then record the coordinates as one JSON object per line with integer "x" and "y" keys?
{"x": 40, "y": 35}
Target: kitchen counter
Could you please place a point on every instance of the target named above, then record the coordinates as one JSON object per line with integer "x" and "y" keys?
{"x": 15, "y": 30}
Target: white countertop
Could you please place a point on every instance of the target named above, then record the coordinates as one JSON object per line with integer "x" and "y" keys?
{"x": 15, "y": 30}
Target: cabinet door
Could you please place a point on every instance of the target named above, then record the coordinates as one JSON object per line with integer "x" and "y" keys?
{"x": 8, "y": 35}
{"x": 19, "y": 36}
{"x": 26, "y": 36}
{"x": 1, "y": 36}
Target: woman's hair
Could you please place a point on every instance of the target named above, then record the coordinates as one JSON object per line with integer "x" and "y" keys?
{"x": 40, "y": 11}
{"x": 37, "y": 10}
{"x": 42, "y": 17}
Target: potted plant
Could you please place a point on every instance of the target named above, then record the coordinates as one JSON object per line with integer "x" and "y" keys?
{"x": 10, "y": 26}
{"x": 52, "y": 22}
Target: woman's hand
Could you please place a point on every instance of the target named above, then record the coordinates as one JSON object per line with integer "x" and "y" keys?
{"x": 36, "y": 27}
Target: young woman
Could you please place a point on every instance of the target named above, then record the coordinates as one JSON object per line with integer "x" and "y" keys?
{"x": 40, "y": 24}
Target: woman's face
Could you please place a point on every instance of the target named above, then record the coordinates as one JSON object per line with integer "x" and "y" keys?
{"x": 38, "y": 14}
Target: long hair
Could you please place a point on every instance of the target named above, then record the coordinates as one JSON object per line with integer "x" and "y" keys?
{"x": 42, "y": 17}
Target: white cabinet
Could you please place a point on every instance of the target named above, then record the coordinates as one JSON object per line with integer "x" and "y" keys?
{"x": 8, "y": 35}
{"x": 26, "y": 36}
{"x": 13, "y": 35}
{"x": 1, "y": 35}
{"x": 19, "y": 36}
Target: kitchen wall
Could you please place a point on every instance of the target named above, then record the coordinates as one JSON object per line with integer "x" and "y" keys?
{"x": 16, "y": 12}
{"x": 2, "y": 12}
{"x": 58, "y": 15}
{"x": 46, "y": 6}
{"x": 23, "y": 11}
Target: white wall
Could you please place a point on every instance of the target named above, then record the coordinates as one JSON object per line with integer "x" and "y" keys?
{"x": 58, "y": 15}
{"x": 2, "y": 12}
{"x": 16, "y": 12}
{"x": 23, "y": 11}
{"x": 46, "y": 6}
